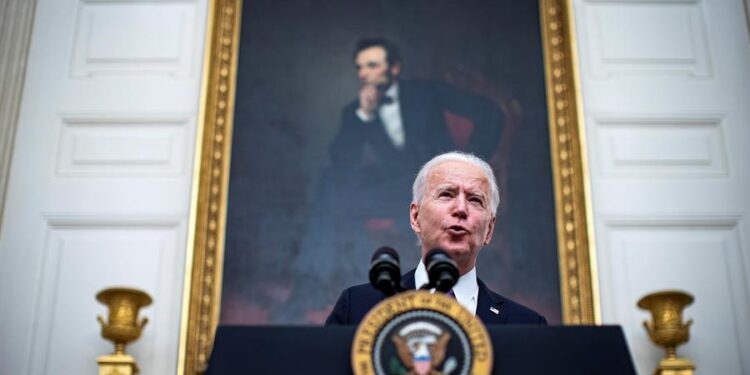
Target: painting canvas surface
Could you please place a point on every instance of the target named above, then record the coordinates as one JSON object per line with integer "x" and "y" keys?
{"x": 308, "y": 205}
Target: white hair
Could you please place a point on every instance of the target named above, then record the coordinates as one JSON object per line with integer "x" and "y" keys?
{"x": 418, "y": 189}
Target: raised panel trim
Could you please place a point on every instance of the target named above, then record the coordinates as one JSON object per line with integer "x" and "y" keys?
{"x": 733, "y": 245}
{"x": 135, "y": 55}
{"x": 49, "y": 273}
{"x": 122, "y": 145}
{"x": 661, "y": 146}
{"x": 67, "y": 221}
{"x": 694, "y": 61}
{"x": 685, "y": 220}
{"x": 644, "y": 1}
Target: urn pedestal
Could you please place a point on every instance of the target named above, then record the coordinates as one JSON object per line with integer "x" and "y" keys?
{"x": 122, "y": 328}
{"x": 667, "y": 329}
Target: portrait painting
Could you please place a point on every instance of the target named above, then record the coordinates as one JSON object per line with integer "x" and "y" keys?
{"x": 310, "y": 201}
{"x": 306, "y": 173}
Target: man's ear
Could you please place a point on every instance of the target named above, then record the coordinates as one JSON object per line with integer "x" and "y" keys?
{"x": 395, "y": 69}
{"x": 413, "y": 218}
{"x": 491, "y": 229}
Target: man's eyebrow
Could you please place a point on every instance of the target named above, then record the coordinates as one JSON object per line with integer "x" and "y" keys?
{"x": 446, "y": 186}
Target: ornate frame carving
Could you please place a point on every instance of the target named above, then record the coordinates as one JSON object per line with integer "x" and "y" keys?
{"x": 570, "y": 173}
{"x": 202, "y": 289}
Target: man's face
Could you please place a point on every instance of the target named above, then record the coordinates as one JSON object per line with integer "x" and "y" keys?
{"x": 455, "y": 213}
{"x": 373, "y": 69}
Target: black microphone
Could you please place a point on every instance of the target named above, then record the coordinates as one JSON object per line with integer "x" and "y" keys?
{"x": 441, "y": 270}
{"x": 385, "y": 273}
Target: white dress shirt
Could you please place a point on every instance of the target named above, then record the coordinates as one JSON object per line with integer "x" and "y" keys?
{"x": 466, "y": 289}
{"x": 390, "y": 116}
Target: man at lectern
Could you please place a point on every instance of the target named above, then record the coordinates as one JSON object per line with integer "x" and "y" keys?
{"x": 454, "y": 203}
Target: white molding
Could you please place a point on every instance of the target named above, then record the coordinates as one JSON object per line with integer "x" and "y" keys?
{"x": 114, "y": 219}
{"x": 684, "y": 145}
{"x": 167, "y": 49}
{"x": 164, "y": 289}
{"x": 645, "y": 1}
{"x": 685, "y": 219}
{"x": 140, "y": 199}
{"x": 631, "y": 52}
{"x": 123, "y": 144}
{"x": 715, "y": 242}
{"x": 16, "y": 21}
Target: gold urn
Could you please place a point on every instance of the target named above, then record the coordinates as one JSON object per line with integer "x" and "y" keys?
{"x": 667, "y": 329}
{"x": 123, "y": 326}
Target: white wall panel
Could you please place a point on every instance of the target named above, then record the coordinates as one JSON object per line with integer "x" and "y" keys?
{"x": 107, "y": 43}
{"x": 121, "y": 146}
{"x": 670, "y": 38}
{"x": 666, "y": 91}
{"x": 661, "y": 146}
{"x": 653, "y": 255}
{"x": 84, "y": 255}
{"x": 99, "y": 188}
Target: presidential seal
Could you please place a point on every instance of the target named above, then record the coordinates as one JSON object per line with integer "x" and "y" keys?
{"x": 421, "y": 333}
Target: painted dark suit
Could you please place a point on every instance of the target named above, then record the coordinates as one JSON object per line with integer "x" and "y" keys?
{"x": 423, "y": 109}
{"x": 355, "y": 302}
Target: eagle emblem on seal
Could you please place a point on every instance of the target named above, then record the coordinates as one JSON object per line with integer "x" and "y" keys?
{"x": 421, "y": 347}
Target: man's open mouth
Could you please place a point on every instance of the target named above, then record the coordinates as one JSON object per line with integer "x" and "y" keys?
{"x": 456, "y": 230}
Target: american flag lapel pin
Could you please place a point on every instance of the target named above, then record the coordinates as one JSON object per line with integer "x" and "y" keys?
{"x": 494, "y": 310}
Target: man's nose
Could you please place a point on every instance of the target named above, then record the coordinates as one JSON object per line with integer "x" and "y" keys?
{"x": 460, "y": 206}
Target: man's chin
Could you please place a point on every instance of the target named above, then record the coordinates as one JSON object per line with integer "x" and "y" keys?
{"x": 457, "y": 253}
{"x": 456, "y": 249}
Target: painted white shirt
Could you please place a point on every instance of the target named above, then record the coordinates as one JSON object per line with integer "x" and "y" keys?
{"x": 390, "y": 116}
{"x": 466, "y": 289}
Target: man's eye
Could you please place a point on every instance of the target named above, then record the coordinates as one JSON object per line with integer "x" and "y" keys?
{"x": 444, "y": 194}
{"x": 478, "y": 201}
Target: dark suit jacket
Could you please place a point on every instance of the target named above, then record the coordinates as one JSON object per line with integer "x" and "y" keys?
{"x": 355, "y": 302}
{"x": 423, "y": 106}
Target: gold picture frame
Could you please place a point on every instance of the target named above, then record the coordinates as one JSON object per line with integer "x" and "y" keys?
{"x": 202, "y": 287}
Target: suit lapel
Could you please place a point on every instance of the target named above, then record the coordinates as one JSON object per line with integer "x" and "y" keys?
{"x": 413, "y": 120}
{"x": 408, "y": 280}
{"x": 489, "y": 308}
{"x": 379, "y": 139}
